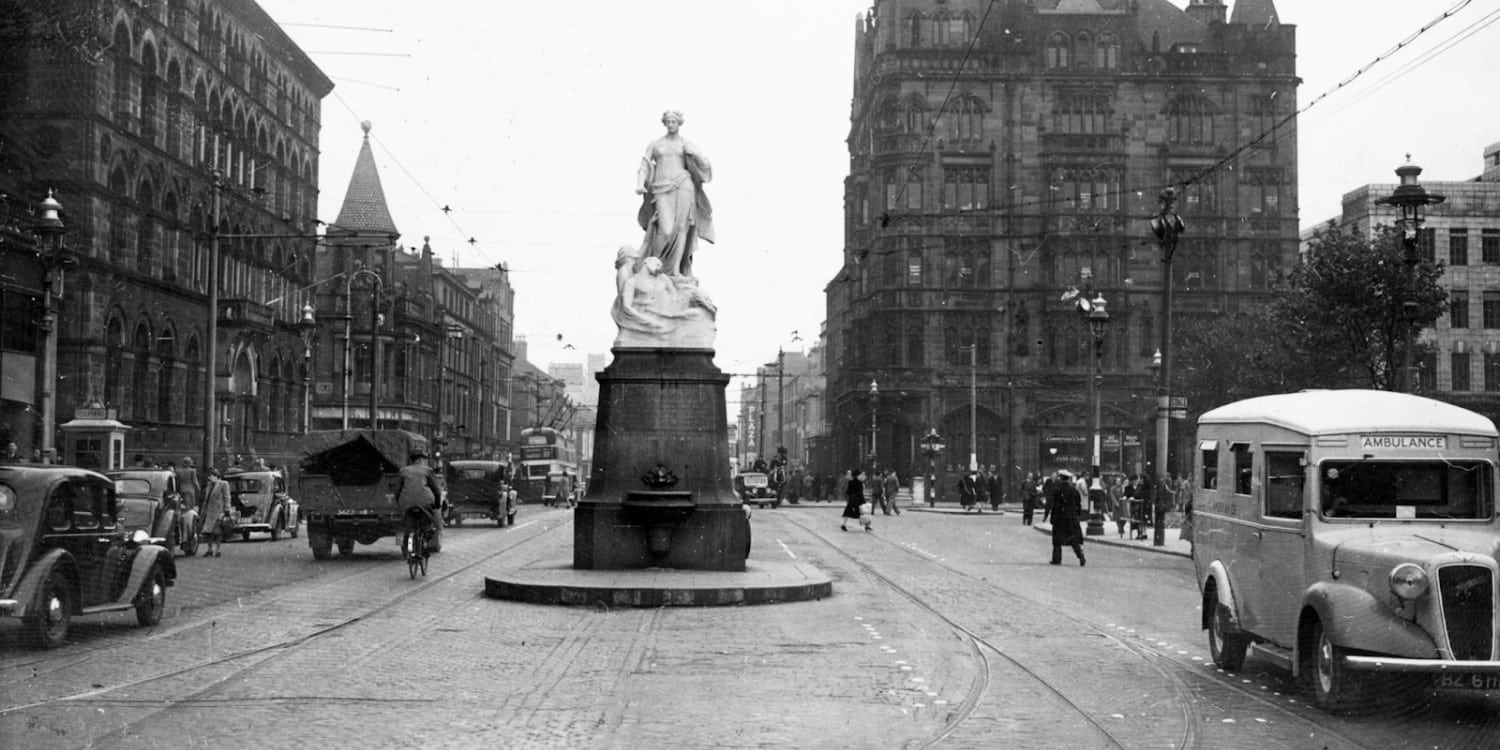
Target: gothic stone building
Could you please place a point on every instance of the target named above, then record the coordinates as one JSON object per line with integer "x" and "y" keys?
{"x": 173, "y": 133}
{"x": 998, "y": 154}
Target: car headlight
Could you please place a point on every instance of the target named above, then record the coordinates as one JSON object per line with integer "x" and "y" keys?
{"x": 1408, "y": 581}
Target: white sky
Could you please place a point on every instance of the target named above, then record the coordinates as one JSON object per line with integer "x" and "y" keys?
{"x": 529, "y": 119}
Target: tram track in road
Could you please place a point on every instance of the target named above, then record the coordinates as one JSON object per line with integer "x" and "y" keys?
{"x": 1189, "y": 686}
{"x": 275, "y": 649}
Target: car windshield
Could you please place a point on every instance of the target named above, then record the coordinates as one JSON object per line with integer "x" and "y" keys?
{"x": 1407, "y": 489}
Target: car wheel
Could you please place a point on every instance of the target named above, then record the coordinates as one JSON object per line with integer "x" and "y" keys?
{"x": 292, "y": 529}
{"x": 1335, "y": 688}
{"x": 278, "y": 528}
{"x": 151, "y": 602}
{"x": 50, "y": 623}
{"x": 1227, "y": 650}
{"x": 190, "y": 544}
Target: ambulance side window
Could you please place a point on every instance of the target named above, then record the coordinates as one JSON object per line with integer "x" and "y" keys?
{"x": 1242, "y": 464}
{"x": 1285, "y": 477}
{"x": 1209, "y": 462}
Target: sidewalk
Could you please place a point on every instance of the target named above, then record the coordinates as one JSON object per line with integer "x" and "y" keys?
{"x": 1172, "y": 545}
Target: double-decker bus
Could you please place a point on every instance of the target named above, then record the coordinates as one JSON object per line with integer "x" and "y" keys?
{"x": 549, "y": 470}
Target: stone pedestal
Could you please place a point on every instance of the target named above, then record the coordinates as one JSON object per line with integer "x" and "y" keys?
{"x": 662, "y": 414}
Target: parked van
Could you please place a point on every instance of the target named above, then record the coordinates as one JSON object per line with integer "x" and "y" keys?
{"x": 1351, "y": 536}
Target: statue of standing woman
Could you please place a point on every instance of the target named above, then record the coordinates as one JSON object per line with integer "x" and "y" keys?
{"x": 675, "y": 212}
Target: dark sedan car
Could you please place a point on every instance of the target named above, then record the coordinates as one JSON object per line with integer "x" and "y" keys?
{"x": 149, "y": 500}
{"x": 63, "y": 552}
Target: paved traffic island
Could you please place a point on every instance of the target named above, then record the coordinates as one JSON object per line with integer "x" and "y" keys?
{"x": 558, "y": 582}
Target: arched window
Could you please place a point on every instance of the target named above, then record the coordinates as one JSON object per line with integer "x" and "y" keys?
{"x": 138, "y": 402}
{"x": 914, "y": 29}
{"x": 119, "y": 218}
{"x": 1260, "y": 192}
{"x": 914, "y": 115}
{"x": 913, "y": 267}
{"x": 1021, "y": 329}
{"x": 1081, "y": 114}
{"x": 1147, "y": 336}
{"x": 940, "y": 29}
{"x": 145, "y": 240}
{"x": 1107, "y": 52}
{"x": 150, "y": 88}
{"x": 914, "y": 190}
{"x": 953, "y": 351}
{"x": 890, "y": 268}
{"x": 966, "y": 189}
{"x": 1083, "y": 48}
{"x": 167, "y": 397}
{"x": 124, "y": 91}
{"x": 1190, "y": 119}
{"x": 966, "y": 118}
{"x": 1058, "y": 46}
{"x": 916, "y": 342}
{"x": 192, "y": 398}
{"x": 114, "y": 346}
{"x": 891, "y": 341}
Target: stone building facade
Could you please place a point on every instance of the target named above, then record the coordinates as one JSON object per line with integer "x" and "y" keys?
{"x": 182, "y": 139}
{"x": 1001, "y": 154}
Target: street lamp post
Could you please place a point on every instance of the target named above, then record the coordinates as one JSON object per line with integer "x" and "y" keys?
{"x": 56, "y": 259}
{"x": 874, "y": 415}
{"x": 973, "y": 407}
{"x": 1091, "y": 308}
{"x": 1412, "y": 200}
{"x": 307, "y": 327}
{"x": 374, "y": 341}
{"x": 1167, "y": 226}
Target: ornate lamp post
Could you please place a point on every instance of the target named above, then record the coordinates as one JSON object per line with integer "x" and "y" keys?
{"x": 1091, "y": 308}
{"x": 1167, "y": 226}
{"x": 1412, "y": 200}
{"x": 874, "y": 413}
{"x": 307, "y": 327}
{"x": 374, "y": 342}
{"x": 932, "y": 445}
{"x": 55, "y": 258}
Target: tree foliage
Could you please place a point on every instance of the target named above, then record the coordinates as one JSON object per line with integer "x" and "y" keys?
{"x": 68, "y": 27}
{"x": 1339, "y": 322}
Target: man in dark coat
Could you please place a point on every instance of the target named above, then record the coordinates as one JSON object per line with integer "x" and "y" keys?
{"x": 1066, "y": 506}
{"x": 967, "y": 491}
{"x": 992, "y": 482}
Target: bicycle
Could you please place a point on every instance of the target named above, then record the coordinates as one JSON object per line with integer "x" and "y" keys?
{"x": 414, "y": 544}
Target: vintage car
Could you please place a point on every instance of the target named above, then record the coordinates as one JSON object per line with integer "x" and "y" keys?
{"x": 1350, "y": 536}
{"x": 478, "y": 488}
{"x": 754, "y": 488}
{"x": 258, "y": 502}
{"x": 63, "y": 552}
{"x": 148, "y": 500}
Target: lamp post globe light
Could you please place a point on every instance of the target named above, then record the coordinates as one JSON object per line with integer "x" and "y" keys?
{"x": 307, "y": 327}
{"x": 56, "y": 258}
{"x": 1412, "y": 200}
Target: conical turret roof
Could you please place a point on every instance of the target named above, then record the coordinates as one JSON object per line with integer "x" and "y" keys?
{"x": 365, "y": 210}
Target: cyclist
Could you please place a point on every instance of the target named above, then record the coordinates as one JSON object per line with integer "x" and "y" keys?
{"x": 417, "y": 496}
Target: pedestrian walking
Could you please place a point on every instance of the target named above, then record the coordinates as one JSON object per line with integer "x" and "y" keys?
{"x": 1030, "y": 487}
{"x": 1065, "y": 504}
{"x": 981, "y": 491}
{"x": 992, "y": 485}
{"x": 188, "y": 484}
{"x": 1140, "y": 509}
{"x": 877, "y": 492}
{"x": 807, "y": 487}
{"x": 217, "y": 523}
{"x": 892, "y": 488}
{"x": 854, "y": 496}
{"x": 967, "y": 491}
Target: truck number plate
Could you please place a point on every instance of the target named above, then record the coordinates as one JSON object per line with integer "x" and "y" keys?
{"x": 1470, "y": 681}
{"x": 350, "y": 512}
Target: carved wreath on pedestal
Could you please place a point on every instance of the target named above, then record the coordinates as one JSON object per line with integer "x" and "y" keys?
{"x": 659, "y": 478}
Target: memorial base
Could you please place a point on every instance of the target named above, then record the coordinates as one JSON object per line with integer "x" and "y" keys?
{"x": 659, "y": 493}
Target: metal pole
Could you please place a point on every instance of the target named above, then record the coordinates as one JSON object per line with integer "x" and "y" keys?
{"x": 780, "y": 400}
{"x": 211, "y": 352}
{"x": 348, "y": 344}
{"x": 1167, "y": 225}
{"x": 973, "y": 408}
{"x": 375, "y": 353}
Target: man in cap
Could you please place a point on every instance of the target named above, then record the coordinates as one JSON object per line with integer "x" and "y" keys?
{"x": 1066, "y": 506}
{"x": 418, "y": 493}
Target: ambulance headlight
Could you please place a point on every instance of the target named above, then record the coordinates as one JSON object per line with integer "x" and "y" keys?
{"x": 1409, "y": 581}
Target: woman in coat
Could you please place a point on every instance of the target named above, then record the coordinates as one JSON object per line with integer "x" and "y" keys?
{"x": 854, "y": 496}
{"x": 215, "y": 506}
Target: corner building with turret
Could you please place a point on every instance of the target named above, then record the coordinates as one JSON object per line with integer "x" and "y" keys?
{"x": 1001, "y": 154}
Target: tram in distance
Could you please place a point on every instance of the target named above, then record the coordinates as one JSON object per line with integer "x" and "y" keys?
{"x": 549, "y": 470}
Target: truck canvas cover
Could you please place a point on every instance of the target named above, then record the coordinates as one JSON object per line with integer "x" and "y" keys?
{"x": 358, "y": 457}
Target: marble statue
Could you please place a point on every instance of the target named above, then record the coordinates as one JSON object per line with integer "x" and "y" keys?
{"x": 675, "y": 212}
{"x": 654, "y": 309}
